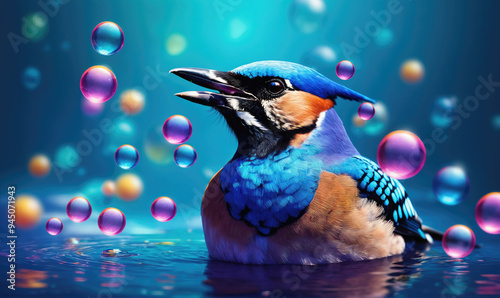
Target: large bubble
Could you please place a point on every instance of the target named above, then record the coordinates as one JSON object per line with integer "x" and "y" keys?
{"x": 78, "y": 209}
{"x": 111, "y": 221}
{"x": 98, "y": 84}
{"x": 107, "y": 38}
{"x": 488, "y": 213}
{"x": 185, "y": 156}
{"x": 163, "y": 209}
{"x": 458, "y": 241}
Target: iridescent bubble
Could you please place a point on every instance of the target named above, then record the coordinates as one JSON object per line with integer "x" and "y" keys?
{"x": 91, "y": 108}
{"x": 459, "y": 241}
{"x": 321, "y": 58}
{"x": 307, "y": 15}
{"x": 111, "y": 221}
{"x": 176, "y": 44}
{"x": 384, "y": 37}
{"x": 31, "y": 78}
{"x": 163, "y": 209}
{"x": 378, "y": 123}
{"x": 132, "y": 101}
{"x": 156, "y": 148}
{"x": 345, "y": 70}
{"x": 28, "y": 211}
{"x": 78, "y": 209}
{"x": 129, "y": 187}
{"x": 39, "y": 165}
{"x": 401, "y": 154}
{"x": 451, "y": 185}
{"x": 126, "y": 157}
{"x": 185, "y": 156}
{"x": 108, "y": 188}
{"x": 177, "y": 129}
{"x": 35, "y": 26}
{"x": 412, "y": 71}
{"x": 366, "y": 111}
{"x": 54, "y": 226}
{"x": 107, "y": 38}
{"x": 66, "y": 157}
{"x": 443, "y": 111}
{"x": 488, "y": 213}
{"x": 98, "y": 84}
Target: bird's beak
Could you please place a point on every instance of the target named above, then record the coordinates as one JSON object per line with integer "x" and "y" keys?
{"x": 225, "y": 82}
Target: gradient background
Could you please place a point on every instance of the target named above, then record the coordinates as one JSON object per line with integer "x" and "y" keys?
{"x": 457, "y": 41}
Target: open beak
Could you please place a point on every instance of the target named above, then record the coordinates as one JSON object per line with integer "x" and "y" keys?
{"x": 225, "y": 82}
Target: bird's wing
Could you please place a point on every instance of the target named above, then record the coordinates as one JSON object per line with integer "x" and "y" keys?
{"x": 377, "y": 186}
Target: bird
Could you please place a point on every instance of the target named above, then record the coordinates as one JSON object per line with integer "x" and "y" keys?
{"x": 296, "y": 191}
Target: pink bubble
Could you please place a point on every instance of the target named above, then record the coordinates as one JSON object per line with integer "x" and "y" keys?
{"x": 345, "y": 70}
{"x": 459, "y": 241}
{"x": 98, "y": 84}
{"x": 401, "y": 154}
{"x": 488, "y": 213}
{"x": 177, "y": 129}
{"x": 54, "y": 226}
{"x": 163, "y": 209}
{"x": 111, "y": 221}
{"x": 78, "y": 209}
{"x": 366, "y": 111}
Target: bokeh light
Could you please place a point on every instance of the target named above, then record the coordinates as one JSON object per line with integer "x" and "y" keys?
{"x": 495, "y": 122}
{"x": 320, "y": 58}
{"x": 108, "y": 188}
{"x": 132, "y": 101}
{"x": 345, "y": 70}
{"x": 177, "y": 129}
{"x": 443, "y": 111}
{"x": 412, "y": 71}
{"x": 378, "y": 123}
{"x": 54, "y": 226}
{"x": 111, "y": 221}
{"x": 401, "y": 154}
{"x": 98, "y": 84}
{"x": 307, "y": 15}
{"x": 66, "y": 157}
{"x": 31, "y": 78}
{"x": 126, "y": 157}
{"x": 237, "y": 28}
{"x": 451, "y": 185}
{"x": 488, "y": 213}
{"x": 123, "y": 132}
{"x": 28, "y": 211}
{"x": 366, "y": 111}
{"x": 91, "y": 108}
{"x": 185, "y": 156}
{"x": 39, "y": 165}
{"x": 163, "y": 209}
{"x": 176, "y": 44}
{"x": 78, "y": 209}
{"x": 129, "y": 187}
{"x": 384, "y": 37}
{"x": 156, "y": 147}
{"x": 35, "y": 26}
{"x": 459, "y": 241}
{"x": 107, "y": 38}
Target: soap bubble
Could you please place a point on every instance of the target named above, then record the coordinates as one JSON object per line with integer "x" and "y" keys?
{"x": 488, "y": 213}
{"x": 176, "y": 44}
{"x": 163, "y": 209}
{"x": 98, "y": 84}
{"x": 443, "y": 111}
{"x": 107, "y": 38}
{"x": 54, "y": 226}
{"x": 126, "y": 157}
{"x": 28, "y": 211}
{"x": 129, "y": 187}
{"x": 31, "y": 78}
{"x": 78, "y": 209}
{"x": 307, "y": 15}
{"x": 458, "y": 241}
{"x": 108, "y": 188}
{"x": 412, "y": 71}
{"x": 155, "y": 146}
{"x": 91, "y": 108}
{"x": 177, "y": 129}
{"x": 384, "y": 37}
{"x": 345, "y": 70}
{"x": 321, "y": 58}
{"x": 185, "y": 156}
{"x": 451, "y": 185}
{"x": 366, "y": 111}
{"x": 401, "y": 154}
{"x": 111, "y": 221}
{"x": 35, "y": 26}
{"x": 378, "y": 123}
{"x": 67, "y": 157}
{"x": 39, "y": 165}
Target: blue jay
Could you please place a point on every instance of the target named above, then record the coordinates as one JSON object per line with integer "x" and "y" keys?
{"x": 296, "y": 191}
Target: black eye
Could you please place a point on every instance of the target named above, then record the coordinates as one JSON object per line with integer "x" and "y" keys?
{"x": 275, "y": 87}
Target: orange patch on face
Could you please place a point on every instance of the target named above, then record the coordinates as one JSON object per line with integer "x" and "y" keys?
{"x": 302, "y": 108}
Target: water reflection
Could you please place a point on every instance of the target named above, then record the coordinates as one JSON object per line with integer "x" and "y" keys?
{"x": 31, "y": 279}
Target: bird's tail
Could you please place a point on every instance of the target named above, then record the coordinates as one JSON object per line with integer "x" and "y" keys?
{"x": 438, "y": 235}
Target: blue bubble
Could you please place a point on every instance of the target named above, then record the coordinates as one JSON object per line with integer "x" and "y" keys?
{"x": 107, "y": 38}
{"x": 384, "y": 37}
{"x": 67, "y": 157}
{"x": 451, "y": 185}
{"x": 31, "y": 78}
{"x": 307, "y": 15}
{"x": 126, "y": 157}
{"x": 443, "y": 111}
{"x": 185, "y": 156}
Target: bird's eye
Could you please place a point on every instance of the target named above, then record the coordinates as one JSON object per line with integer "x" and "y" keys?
{"x": 275, "y": 87}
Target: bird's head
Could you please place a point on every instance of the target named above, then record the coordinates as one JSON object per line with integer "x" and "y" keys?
{"x": 269, "y": 105}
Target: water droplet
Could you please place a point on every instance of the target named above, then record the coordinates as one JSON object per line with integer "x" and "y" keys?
{"x": 54, "y": 226}
{"x": 366, "y": 111}
{"x": 451, "y": 185}
{"x": 488, "y": 213}
{"x": 345, "y": 70}
{"x": 401, "y": 154}
{"x": 107, "y": 38}
{"x": 177, "y": 129}
{"x": 458, "y": 241}
{"x": 111, "y": 221}
{"x": 126, "y": 157}
{"x": 78, "y": 209}
{"x": 98, "y": 84}
{"x": 307, "y": 15}
{"x": 185, "y": 156}
{"x": 163, "y": 209}
{"x": 412, "y": 71}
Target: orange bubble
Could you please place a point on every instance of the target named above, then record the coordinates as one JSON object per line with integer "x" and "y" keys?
{"x": 132, "y": 101}
{"x": 28, "y": 211}
{"x": 39, "y": 165}
{"x": 129, "y": 187}
{"x": 412, "y": 71}
{"x": 108, "y": 188}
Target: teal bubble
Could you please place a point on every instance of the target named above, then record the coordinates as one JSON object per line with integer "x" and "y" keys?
{"x": 66, "y": 157}
{"x": 185, "y": 156}
{"x": 451, "y": 185}
{"x": 107, "y": 38}
{"x": 443, "y": 111}
{"x": 126, "y": 157}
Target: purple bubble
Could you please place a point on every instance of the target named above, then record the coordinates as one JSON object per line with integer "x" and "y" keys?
{"x": 78, "y": 209}
{"x": 366, "y": 111}
{"x": 163, "y": 209}
{"x": 488, "y": 213}
{"x": 177, "y": 129}
{"x": 401, "y": 154}
{"x": 54, "y": 226}
{"x": 98, "y": 84}
{"x": 345, "y": 70}
{"x": 185, "y": 156}
{"x": 111, "y": 221}
{"x": 458, "y": 241}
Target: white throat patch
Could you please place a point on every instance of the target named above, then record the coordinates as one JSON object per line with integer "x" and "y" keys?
{"x": 250, "y": 120}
